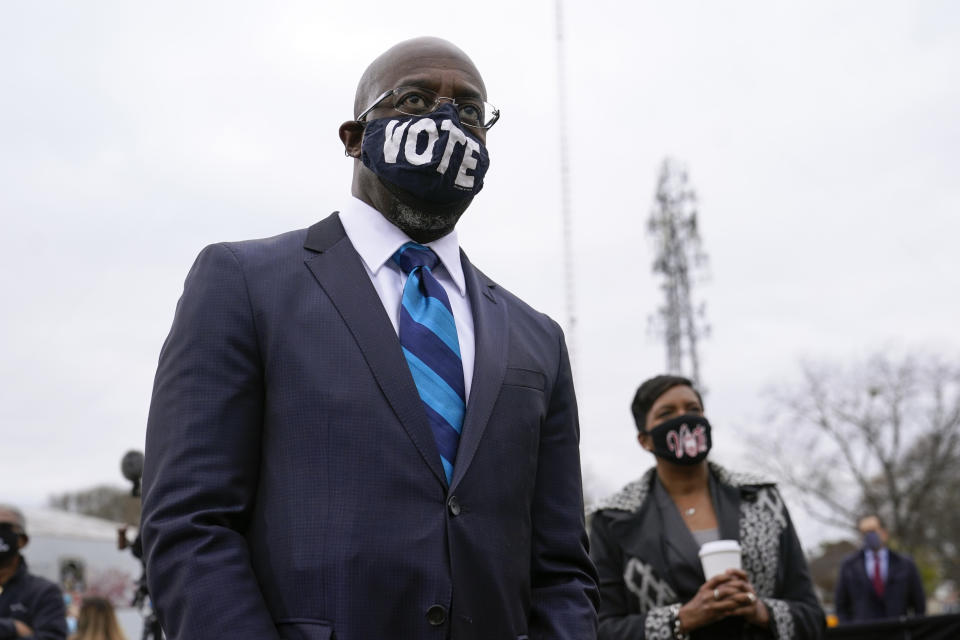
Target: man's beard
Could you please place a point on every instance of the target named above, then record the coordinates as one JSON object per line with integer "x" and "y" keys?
{"x": 422, "y": 220}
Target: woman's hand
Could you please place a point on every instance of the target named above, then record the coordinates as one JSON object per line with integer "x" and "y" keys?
{"x": 716, "y": 599}
{"x": 751, "y": 607}
{"x": 729, "y": 594}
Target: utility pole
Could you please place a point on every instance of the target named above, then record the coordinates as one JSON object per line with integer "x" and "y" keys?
{"x": 565, "y": 211}
{"x": 679, "y": 258}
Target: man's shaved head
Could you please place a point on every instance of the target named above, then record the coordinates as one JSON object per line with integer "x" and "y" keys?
{"x": 406, "y": 57}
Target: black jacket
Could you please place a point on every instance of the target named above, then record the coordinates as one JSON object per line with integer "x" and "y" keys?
{"x": 644, "y": 569}
{"x": 34, "y": 601}
{"x": 857, "y": 600}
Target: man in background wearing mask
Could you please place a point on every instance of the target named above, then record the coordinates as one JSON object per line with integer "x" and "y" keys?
{"x": 30, "y": 606}
{"x": 355, "y": 433}
{"x": 875, "y": 582}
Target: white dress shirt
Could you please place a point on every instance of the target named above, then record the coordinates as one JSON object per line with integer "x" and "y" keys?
{"x": 376, "y": 239}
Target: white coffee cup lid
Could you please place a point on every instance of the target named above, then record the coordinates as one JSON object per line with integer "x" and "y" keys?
{"x": 720, "y": 546}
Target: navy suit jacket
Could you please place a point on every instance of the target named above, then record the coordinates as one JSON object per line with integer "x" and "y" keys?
{"x": 857, "y": 601}
{"x": 292, "y": 487}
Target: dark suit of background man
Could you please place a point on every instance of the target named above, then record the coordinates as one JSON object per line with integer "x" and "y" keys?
{"x": 877, "y": 583}
{"x": 30, "y": 606}
{"x": 294, "y": 485}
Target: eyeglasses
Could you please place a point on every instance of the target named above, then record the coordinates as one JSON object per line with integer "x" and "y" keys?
{"x": 416, "y": 101}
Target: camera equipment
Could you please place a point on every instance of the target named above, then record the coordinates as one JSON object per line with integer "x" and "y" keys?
{"x": 131, "y": 465}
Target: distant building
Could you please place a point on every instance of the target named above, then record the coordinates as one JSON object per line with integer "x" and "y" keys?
{"x": 80, "y": 554}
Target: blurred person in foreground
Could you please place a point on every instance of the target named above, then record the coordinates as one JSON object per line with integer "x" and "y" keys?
{"x": 646, "y": 538}
{"x": 876, "y": 582}
{"x": 30, "y": 606}
{"x": 97, "y": 621}
{"x": 355, "y": 433}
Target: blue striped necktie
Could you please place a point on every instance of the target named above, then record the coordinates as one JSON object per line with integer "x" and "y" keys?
{"x": 428, "y": 336}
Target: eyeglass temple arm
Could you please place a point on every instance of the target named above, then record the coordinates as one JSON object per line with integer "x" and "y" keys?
{"x": 383, "y": 96}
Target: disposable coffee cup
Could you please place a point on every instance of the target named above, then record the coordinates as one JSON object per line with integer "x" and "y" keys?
{"x": 718, "y": 556}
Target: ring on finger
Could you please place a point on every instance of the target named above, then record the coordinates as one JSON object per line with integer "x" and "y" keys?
{"x": 716, "y": 594}
{"x": 752, "y": 598}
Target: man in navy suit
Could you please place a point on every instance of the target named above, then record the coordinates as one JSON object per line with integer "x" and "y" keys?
{"x": 354, "y": 433}
{"x": 875, "y": 582}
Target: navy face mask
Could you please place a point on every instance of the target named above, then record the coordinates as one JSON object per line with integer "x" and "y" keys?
{"x": 432, "y": 156}
{"x": 683, "y": 440}
{"x": 872, "y": 541}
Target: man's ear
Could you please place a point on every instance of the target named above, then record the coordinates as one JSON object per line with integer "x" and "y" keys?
{"x": 351, "y": 135}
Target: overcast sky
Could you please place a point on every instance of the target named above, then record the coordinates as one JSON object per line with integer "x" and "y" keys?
{"x": 823, "y": 139}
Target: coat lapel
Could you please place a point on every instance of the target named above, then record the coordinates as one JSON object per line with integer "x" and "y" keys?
{"x": 643, "y": 534}
{"x": 682, "y": 551}
{"x": 490, "y": 363}
{"x": 726, "y": 504}
{"x": 338, "y": 268}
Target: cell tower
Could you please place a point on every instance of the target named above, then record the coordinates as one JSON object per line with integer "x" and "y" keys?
{"x": 679, "y": 259}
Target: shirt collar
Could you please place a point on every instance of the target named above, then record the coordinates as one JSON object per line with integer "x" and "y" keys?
{"x": 376, "y": 239}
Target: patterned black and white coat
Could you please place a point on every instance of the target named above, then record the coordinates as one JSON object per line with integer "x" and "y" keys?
{"x": 645, "y": 569}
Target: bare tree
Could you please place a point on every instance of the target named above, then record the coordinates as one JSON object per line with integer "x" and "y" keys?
{"x": 823, "y": 566}
{"x": 103, "y": 501}
{"x": 879, "y": 436}
{"x": 678, "y": 259}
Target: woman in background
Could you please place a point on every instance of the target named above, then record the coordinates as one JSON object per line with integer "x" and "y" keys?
{"x": 97, "y": 621}
{"x": 645, "y": 539}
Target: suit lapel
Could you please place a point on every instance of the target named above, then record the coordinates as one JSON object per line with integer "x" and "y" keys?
{"x": 490, "y": 363}
{"x": 338, "y": 268}
{"x": 893, "y": 576}
{"x": 861, "y": 569}
{"x": 867, "y": 578}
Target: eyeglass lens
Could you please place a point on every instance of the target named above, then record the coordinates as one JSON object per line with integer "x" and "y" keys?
{"x": 416, "y": 101}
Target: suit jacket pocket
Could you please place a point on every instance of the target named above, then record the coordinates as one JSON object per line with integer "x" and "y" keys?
{"x": 525, "y": 378}
{"x": 304, "y": 629}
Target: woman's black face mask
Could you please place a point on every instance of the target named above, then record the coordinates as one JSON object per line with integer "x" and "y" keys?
{"x": 9, "y": 543}
{"x": 684, "y": 440}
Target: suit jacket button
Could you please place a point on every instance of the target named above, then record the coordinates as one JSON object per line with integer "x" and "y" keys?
{"x": 437, "y": 615}
{"x": 453, "y": 505}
